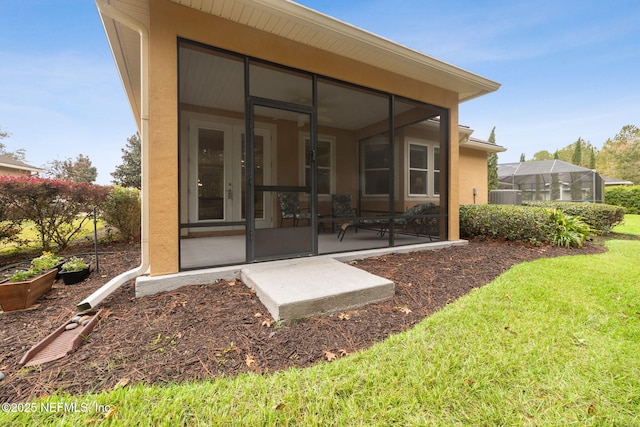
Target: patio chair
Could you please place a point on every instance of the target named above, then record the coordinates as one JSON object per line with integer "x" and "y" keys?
{"x": 290, "y": 209}
{"x": 418, "y": 218}
{"x": 342, "y": 209}
{"x": 363, "y": 222}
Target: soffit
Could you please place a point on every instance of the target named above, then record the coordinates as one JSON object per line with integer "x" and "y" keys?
{"x": 298, "y": 23}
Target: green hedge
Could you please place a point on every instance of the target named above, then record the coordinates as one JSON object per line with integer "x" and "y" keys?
{"x": 122, "y": 211}
{"x": 600, "y": 217}
{"x": 507, "y": 222}
{"x": 532, "y": 224}
{"x": 628, "y": 197}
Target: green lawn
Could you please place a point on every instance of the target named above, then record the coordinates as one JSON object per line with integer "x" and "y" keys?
{"x": 31, "y": 235}
{"x": 631, "y": 225}
{"x": 554, "y": 342}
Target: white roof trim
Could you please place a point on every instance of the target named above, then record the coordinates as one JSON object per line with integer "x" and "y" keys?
{"x": 477, "y": 144}
{"x": 22, "y": 167}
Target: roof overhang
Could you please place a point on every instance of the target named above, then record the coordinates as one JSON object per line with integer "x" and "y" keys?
{"x": 18, "y": 165}
{"x": 478, "y": 144}
{"x": 300, "y": 24}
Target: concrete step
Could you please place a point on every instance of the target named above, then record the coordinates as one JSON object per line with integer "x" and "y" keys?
{"x": 305, "y": 287}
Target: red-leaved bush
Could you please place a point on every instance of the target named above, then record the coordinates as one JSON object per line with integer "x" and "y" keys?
{"x": 58, "y": 209}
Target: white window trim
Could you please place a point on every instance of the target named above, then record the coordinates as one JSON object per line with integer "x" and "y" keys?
{"x": 303, "y": 138}
{"x": 434, "y": 170}
{"x": 431, "y": 192}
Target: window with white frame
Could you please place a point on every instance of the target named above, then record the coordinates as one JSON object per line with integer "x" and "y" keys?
{"x": 423, "y": 172}
{"x": 376, "y": 166}
{"x": 325, "y": 159}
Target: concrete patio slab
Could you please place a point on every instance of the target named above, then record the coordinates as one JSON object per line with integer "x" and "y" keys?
{"x": 298, "y": 288}
{"x": 325, "y": 289}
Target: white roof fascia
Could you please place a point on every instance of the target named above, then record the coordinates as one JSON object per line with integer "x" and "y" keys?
{"x": 482, "y": 146}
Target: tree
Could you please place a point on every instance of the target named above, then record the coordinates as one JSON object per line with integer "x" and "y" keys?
{"x": 58, "y": 209}
{"x": 592, "y": 158}
{"x": 567, "y": 153}
{"x": 576, "y": 157}
{"x": 67, "y": 170}
{"x": 556, "y": 155}
{"x": 16, "y": 155}
{"x": 522, "y": 159}
{"x": 492, "y": 164}
{"x": 542, "y": 155}
{"x": 620, "y": 156}
{"x": 128, "y": 173}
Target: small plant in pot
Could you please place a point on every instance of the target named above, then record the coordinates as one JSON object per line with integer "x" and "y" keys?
{"x": 39, "y": 265}
{"x": 46, "y": 261}
{"x": 24, "y": 287}
{"x": 74, "y": 270}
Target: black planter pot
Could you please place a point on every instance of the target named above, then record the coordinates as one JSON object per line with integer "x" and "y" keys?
{"x": 72, "y": 277}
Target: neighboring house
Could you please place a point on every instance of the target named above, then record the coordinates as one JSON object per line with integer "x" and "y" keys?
{"x": 552, "y": 180}
{"x": 608, "y": 181}
{"x": 12, "y": 167}
{"x": 238, "y": 101}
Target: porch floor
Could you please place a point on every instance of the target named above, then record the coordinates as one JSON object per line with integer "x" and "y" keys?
{"x": 202, "y": 252}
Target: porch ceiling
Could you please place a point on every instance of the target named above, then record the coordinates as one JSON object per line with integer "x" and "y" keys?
{"x": 303, "y": 25}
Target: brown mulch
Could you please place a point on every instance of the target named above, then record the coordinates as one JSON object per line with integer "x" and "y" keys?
{"x": 199, "y": 332}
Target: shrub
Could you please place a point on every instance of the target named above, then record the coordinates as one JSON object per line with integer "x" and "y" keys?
{"x": 601, "y": 218}
{"x": 628, "y": 197}
{"x": 506, "y": 222}
{"x": 122, "y": 211}
{"x": 531, "y": 224}
{"x": 8, "y": 228}
{"x": 58, "y": 209}
{"x": 570, "y": 231}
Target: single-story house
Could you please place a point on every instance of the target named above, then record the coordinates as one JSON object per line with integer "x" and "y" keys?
{"x": 248, "y": 109}
{"x": 552, "y": 180}
{"x": 12, "y": 167}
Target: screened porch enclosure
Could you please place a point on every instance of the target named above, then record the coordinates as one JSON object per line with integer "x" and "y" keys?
{"x": 274, "y": 163}
{"x": 553, "y": 180}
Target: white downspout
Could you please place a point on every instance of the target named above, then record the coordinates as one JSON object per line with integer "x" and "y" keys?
{"x": 99, "y": 295}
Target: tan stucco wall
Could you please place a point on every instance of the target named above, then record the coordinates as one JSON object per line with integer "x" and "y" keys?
{"x": 473, "y": 174}
{"x": 169, "y": 21}
{"x": 454, "y": 180}
{"x": 13, "y": 172}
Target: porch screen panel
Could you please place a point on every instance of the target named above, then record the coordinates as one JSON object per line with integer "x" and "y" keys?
{"x": 258, "y": 175}
{"x": 291, "y": 232}
{"x": 421, "y": 210}
{"x": 280, "y": 84}
{"x": 211, "y": 121}
{"x": 359, "y": 178}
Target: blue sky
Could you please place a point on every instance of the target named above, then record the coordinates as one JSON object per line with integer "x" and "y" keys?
{"x": 568, "y": 69}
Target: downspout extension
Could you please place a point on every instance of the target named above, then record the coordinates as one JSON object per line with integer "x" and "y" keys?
{"x": 108, "y": 288}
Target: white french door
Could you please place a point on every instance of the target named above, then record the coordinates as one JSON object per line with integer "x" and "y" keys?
{"x": 217, "y": 187}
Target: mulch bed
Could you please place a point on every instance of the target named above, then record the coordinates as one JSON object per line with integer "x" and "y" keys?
{"x": 199, "y": 332}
